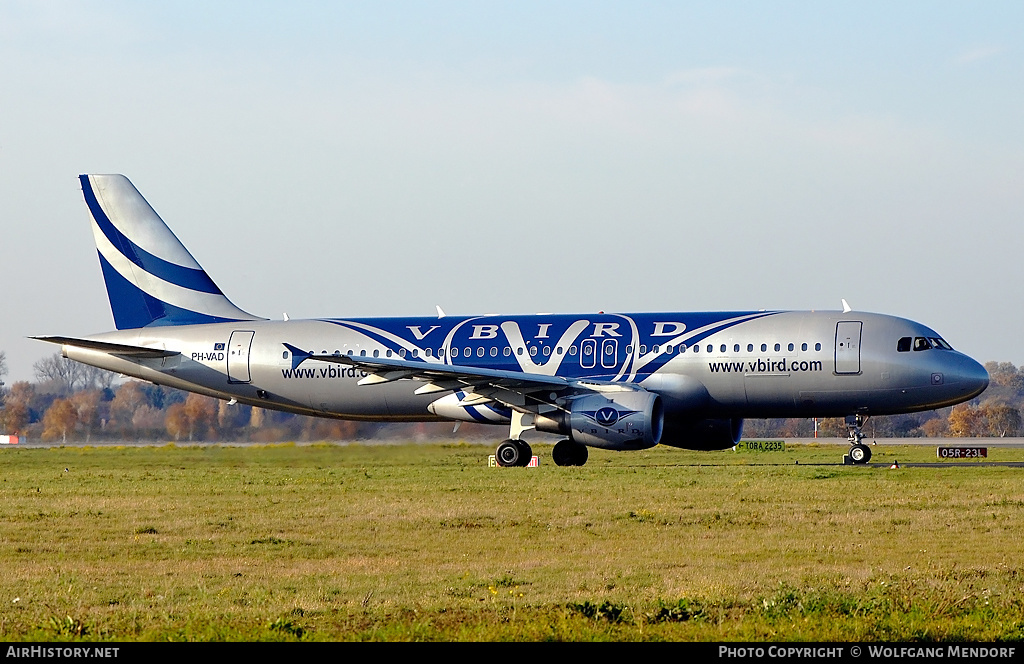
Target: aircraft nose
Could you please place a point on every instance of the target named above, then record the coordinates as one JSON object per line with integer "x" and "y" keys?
{"x": 972, "y": 376}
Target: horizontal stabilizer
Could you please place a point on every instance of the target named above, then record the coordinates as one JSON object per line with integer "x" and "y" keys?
{"x": 114, "y": 349}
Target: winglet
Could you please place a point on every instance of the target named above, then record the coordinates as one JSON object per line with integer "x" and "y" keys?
{"x": 846, "y": 307}
{"x": 440, "y": 313}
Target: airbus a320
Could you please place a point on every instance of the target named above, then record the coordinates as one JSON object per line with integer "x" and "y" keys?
{"x": 612, "y": 381}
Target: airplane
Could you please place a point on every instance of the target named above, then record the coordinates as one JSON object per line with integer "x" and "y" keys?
{"x": 605, "y": 380}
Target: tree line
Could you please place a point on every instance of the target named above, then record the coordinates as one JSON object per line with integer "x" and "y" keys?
{"x": 70, "y": 401}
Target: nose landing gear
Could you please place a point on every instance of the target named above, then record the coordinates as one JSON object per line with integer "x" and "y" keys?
{"x": 859, "y": 452}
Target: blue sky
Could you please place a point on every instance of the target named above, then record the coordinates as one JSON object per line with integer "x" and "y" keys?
{"x": 380, "y": 158}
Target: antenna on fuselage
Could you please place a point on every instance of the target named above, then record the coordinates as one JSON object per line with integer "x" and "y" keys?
{"x": 846, "y": 307}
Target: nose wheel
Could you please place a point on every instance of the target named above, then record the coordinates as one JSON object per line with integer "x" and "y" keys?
{"x": 859, "y": 452}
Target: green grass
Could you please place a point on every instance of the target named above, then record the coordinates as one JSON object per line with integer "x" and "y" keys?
{"x": 425, "y": 542}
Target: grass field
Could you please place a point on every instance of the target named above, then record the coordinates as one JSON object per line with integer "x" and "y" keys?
{"x": 426, "y": 542}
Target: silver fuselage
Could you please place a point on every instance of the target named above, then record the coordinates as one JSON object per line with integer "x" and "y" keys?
{"x": 742, "y": 364}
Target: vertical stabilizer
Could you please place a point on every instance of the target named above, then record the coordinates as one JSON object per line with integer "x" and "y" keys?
{"x": 151, "y": 277}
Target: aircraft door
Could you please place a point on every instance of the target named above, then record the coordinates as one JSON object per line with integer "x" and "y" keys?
{"x": 588, "y": 353}
{"x": 238, "y": 356}
{"x": 848, "y": 347}
{"x": 609, "y": 353}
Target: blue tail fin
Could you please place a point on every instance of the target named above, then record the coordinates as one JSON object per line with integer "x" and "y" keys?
{"x": 151, "y": 277}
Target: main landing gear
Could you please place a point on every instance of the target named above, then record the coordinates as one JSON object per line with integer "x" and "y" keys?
{"x": 518, "y": 453}
{"x": 513, "y": 453}
{"x": 569, "y": 453}
{"x": 859, "y": 452}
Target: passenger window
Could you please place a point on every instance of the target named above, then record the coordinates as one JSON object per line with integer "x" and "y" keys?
{"x": 764, "y": 347}
{"x": 736, "y": 348}
{"x": 791, "y": 347}
{"x": 682, "y": 348}
{"x": 629, "y": 350}
{"x": 817, "y": 346}
{"x": 547, "y": 351}
{"x": 519, "y": 351}
{"x": 655, "y": 349}
{"x": 480, "y": 351}
{"x": 455, "y": 352}
{"x": 696, "y": 348}
{"x": 711, "y": 348}
{"x": 750, "y": 348}
{"x": 428, "y": 352}
{"x": 903, "y": 345}
{"x": 803, "y": 346}
{"x": 559, "y": 350}
{"x": 362, "y": 353}
{"x": 778, "y": 347}
{"x": 507, "y": 351}
{"x": 494, "y": 351}
{"x": 415, "y": 352}
{"x": 533, "y": 350}
{"x": 572, "y": 350}
{"x": 643, "y": 349}
{"x": 401, "y": 352}
{"x": 376, "y": 353}
{"x": 389, "y": 352}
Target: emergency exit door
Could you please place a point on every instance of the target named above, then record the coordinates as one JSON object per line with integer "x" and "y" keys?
{"x": 238, "y": 356}
{"x": 848, "y": 347}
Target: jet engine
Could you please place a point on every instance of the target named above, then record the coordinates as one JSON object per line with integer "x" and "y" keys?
{"x": 616, "y": 421}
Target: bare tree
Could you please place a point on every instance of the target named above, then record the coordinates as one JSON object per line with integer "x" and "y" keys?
{"x": 3, "y": 368}
{"x": 65, "y": 374}
{"x": 94, "y": 377}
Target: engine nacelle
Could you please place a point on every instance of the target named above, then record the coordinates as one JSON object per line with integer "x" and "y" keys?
{"x": 702, "y": 434}
{"x": 615, "y": 421}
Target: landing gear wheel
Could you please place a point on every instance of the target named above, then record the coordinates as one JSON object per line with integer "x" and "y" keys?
{"x": 860, "y": 453}
{"x": 509, "y": 454}
{"x": 526, "y": 453}
{"x": 569, "y": 453}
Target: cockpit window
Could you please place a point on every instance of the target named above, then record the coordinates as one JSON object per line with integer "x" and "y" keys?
{"x": 903, "y": 345}
{"x": 940, "y": 343}
{"x": 921, "y": 343}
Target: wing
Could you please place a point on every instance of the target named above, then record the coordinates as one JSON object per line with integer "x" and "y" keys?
{"x": 514, "y": 388}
